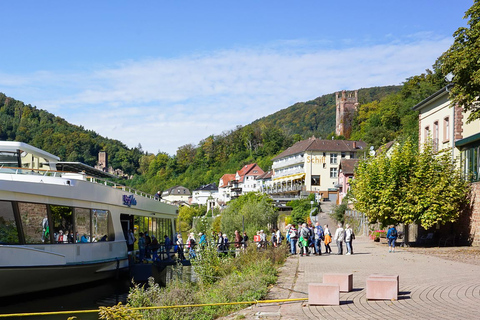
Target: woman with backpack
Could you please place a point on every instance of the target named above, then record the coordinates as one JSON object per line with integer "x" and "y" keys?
{"x": 392, "y": 236}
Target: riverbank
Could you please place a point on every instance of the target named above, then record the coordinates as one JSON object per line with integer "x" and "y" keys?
{"x": 221, "y": 280}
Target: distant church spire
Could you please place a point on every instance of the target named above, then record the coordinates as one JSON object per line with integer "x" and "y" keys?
{"x": 347, "y": 103}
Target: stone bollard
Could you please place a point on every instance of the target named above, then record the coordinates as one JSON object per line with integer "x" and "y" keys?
{"x": 323, "y": 294}
{"x": 382, "y": 287}
{"x": 344, "y": 280}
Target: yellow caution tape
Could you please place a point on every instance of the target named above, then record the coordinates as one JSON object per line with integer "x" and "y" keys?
{"x": 150, "y": 308}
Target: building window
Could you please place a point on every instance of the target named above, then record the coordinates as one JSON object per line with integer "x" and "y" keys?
{"x": 446, "y": 129}
{"x": 426, "y": 134}
{"x": 343, "y": 155}
{"x": 470, "y": 158}
{"x": 333, "y": 173}
{"x": 352, "y": 155}
{"x": 315, "y": 180}
{"x": 435, "y": 136}
{"x": 333, "y": 158}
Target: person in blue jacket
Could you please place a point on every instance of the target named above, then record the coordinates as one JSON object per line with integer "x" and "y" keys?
{"x": 392, "y": 236}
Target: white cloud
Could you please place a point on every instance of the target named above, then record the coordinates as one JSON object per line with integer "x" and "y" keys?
{"x": 166, "y": 103}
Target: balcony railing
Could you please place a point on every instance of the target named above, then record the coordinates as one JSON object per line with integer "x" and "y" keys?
{"x": 286, "y": 163}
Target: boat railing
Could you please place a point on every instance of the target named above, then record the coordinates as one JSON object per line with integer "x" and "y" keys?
{"x": 52, "y": 173}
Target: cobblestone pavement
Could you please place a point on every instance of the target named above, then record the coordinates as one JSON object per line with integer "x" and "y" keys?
{"x": 434, "y": 284}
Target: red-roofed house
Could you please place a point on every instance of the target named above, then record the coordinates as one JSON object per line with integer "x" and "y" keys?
{"x": 227, "y": 187}
{"x": 246, "y": 178}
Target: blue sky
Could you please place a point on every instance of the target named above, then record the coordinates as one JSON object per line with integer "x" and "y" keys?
{"x": 169, "y": 73}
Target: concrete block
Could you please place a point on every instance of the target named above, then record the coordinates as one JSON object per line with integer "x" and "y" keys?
{"x": 382, "y": 289}
{"x": 386, "y": 276}
{"x": 344, "y": 280}
{"x": 324, "y": 294}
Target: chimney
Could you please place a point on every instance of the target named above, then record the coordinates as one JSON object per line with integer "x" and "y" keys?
{"x": 354, "y": 144}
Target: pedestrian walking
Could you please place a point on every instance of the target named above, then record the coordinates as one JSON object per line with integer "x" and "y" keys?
{"x": 349, "y": 236}
{"x": 304, "y": 236}
{"x": 179, "y": 244}
{"x": 339, "y": 238}
{"x": 328, "y": 239}
{"x": 319, "y": 236}
{"x": 392, "y": 236}
{"x": 293, "y": 239}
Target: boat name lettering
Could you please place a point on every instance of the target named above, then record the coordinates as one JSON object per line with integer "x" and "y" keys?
{"x": 129, "y": 200}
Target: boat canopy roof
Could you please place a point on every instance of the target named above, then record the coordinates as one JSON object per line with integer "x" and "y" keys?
{"x": 49, "y": 160}
{"x": 82, "y": 167}
{"x": 13, "y": 146}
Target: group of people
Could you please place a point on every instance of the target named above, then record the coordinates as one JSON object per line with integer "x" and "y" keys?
{"x": 148, "y": 246}
{"x": 309, "y": 239}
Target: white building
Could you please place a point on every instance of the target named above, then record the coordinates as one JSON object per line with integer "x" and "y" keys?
{"x": 176, "y": 194}
{"x": 206, "y": 195}
{"x": 312, "y": 165}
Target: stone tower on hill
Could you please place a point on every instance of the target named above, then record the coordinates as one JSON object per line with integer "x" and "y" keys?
{"x": 347, "y": 103}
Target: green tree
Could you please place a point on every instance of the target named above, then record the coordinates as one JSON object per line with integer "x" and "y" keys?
{"x": 462, "y": 60}
{"x": 301, "y": 209}
{"x": 255, "y": 209}
{"x": 408, "y": 186}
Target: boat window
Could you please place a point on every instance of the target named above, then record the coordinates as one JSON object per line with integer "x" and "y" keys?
{"x": 62, "y": 218}
{"x": 155, "y": 228}
{"x": 8, "y": 226}
{"x": 35, "y": 223}
{"x": 138, "y": 226}
{"x": 100, "y": 219}
{"x": 9, "y": 159}
{"x": 82, "y": 224}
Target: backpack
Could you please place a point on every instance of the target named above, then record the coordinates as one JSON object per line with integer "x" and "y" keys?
{"x": 293, "y": 233}
{"x": 305, "y": 233}
{"x": 393, "y": 234}
{"x": 319, "y": 233}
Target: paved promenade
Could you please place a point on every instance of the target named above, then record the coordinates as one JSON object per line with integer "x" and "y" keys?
{"x": 430, "y": 287}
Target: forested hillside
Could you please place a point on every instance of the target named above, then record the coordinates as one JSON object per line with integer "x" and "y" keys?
{"x": 390, "y": 118}
{"x": 24, "y": 123}
{"x": 317, "y": 117}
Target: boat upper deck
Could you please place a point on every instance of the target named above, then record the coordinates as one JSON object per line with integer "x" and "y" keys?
{"x": 65, "y": 178}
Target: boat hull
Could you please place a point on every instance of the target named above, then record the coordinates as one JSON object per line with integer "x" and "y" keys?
{"x": 21, "y": 280}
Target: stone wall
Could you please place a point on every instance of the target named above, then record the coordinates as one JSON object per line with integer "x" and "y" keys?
{"x": 475, "y": 215}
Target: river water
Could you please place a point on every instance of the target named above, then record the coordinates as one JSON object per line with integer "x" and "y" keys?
{"x": 82, "y": 297}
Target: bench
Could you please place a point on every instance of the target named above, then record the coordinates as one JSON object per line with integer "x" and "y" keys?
{"x": 344, "y": 280}
{"x": 382, "y": 287}
{"x": 323, "y": 294}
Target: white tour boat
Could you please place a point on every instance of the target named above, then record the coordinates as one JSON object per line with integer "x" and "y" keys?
{"x": 63, "y": 223}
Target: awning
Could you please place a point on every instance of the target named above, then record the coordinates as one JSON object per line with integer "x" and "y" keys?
{"x": 468, "y": 140}
{"x": 291, "y": 177}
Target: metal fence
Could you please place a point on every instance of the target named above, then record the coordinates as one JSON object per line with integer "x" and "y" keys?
{"x": 362, "y": 227}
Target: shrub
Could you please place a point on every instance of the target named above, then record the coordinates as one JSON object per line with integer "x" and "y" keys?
{"x": 220, "y": 279}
